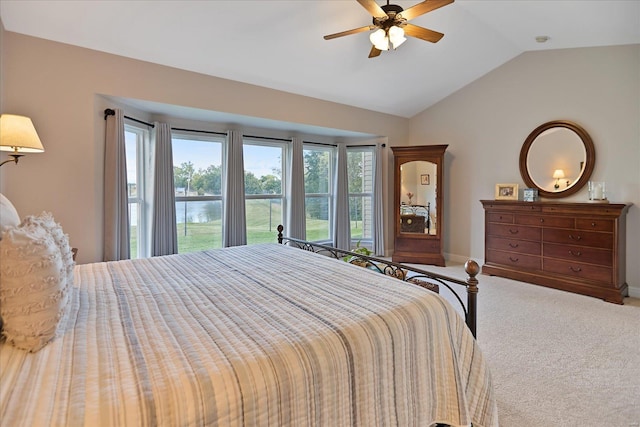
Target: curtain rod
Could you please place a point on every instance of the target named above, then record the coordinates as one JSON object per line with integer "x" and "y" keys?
{"x": 319, "y": 143}
{"x": 369, "y": 145}
{"x": 200, "y": 131}
{"x": 111, "y": 112}
{"x": 266, "y": 138}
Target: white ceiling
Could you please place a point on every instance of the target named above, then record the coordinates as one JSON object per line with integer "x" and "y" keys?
{"x": 279, "y": 44}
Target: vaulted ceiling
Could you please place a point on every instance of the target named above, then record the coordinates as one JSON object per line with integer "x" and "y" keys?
{"x": 280, "y": 45}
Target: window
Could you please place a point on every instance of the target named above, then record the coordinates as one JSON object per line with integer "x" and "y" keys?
{"x": 264, "y": 188}
{"x": 318, "y": 188}
{"x": 360, "y": 170}
{"x": 136, "y": 145}
{"x": 198, "y": 172}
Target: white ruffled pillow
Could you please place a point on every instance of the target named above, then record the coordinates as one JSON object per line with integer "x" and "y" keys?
{"x": 45, "y": 219}
{"x": 8, "y": 215}
{"x": 33, "y": 286}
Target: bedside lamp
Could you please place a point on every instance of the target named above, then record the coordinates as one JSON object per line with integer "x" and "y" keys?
{"x": 17, "y": 134}
{"x": 558, "y": 174}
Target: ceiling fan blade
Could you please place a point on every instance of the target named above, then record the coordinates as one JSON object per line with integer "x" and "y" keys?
{"x": 422, "y": 33}
{"x": 424, "y": 7}
{"x": 374, "y": 52}
{"x": 374, "y": 9}
{"x": 349, "y": 32}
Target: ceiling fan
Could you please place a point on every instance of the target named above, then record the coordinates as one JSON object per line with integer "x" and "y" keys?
{"x": 390, "y": 23}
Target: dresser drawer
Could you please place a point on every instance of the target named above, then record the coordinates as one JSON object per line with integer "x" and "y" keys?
{"x": 500, "y": 217}
{"x": 578, "y": 237}
{"x": 514, "y": 231}
{"x": 594, "y": 224}
{"x": 545, "y": 221}
{"x": 513, "y": 245}
{"x": 515, "y": 260}
{"x": 585, "y": 254}
{"x": 576, "y": 269}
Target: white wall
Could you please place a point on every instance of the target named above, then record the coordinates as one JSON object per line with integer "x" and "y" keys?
{"x": 58, "y": 86}
{"x": 486, "y": 123}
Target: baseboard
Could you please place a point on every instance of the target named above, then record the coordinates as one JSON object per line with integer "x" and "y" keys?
{"x": 459, "y": 259}
{"x": 634, "y": 292}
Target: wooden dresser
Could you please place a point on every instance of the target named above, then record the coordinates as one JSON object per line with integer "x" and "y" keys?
{"x": 576, "y": 247}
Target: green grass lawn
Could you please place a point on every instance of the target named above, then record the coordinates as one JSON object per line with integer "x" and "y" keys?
{"x": 262, "y": 222}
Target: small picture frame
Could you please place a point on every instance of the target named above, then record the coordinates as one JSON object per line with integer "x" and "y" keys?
{"x": 506, "y": 192}
{"x": 530, "y": 195}
{"x": 424, "y": 179}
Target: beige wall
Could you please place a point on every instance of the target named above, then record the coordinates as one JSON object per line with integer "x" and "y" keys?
{"x": 486, "y": 123}
{"x": 57, "y": 85}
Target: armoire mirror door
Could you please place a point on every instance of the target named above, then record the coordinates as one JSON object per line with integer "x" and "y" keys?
{"x": 418, "y": 190}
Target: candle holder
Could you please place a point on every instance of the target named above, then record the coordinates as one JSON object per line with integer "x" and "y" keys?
{"x": 597, "y": 192}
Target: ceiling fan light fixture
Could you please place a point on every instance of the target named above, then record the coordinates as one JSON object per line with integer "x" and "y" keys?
{"x": 396, "y": 36}
{"x": 380, "y": 39}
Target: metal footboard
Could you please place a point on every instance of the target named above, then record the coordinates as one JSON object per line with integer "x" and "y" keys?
{"x": 402, "y": 272}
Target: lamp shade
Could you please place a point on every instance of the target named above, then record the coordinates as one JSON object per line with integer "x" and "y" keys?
{"x": 18, "y": 134}
{"x": 396, "y": 36}
{"x": 379, "y": 39}
{"x": 558, "y": 173}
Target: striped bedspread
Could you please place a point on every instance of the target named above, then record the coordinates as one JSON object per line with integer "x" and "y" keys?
{"x": 263, "y": 335}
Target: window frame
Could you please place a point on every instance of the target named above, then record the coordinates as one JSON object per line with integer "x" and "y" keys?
{"x": 364, "y": 241}
{"x": 214, "y": 139}
{"x": 284, "y": 164}
{"x": 330, "y": 195}
{"x": 143, "y": 136}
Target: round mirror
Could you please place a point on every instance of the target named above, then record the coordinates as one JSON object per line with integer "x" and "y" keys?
{"x": 557, "y": 158}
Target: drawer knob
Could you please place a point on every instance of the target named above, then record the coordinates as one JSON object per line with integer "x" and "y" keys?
{"x": 593, "y": 224}
{"x": 514, "y": 245}
{"x": 572, "y": 237}
{"x": 578, "y": 253}
{"x": 514, "y": 259}
{"x": 513, "y": 231}
{"x": 576, "y": 270}
{"x": 541, "y": 220}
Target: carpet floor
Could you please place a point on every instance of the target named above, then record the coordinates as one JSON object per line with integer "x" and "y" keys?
{"x": 558, "y": 358}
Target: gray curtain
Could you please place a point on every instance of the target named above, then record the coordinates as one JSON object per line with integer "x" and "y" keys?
{"x": 116, "y": 216}
{"x": 378, "y": 204}
{"x": 296, "y": 215}
{"x": 342, "y": 226}
{"x": 164, "y": 236}
{"x": 234, "y": 230}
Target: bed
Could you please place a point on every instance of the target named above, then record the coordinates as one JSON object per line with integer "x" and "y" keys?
{"x": 261, "y": 335}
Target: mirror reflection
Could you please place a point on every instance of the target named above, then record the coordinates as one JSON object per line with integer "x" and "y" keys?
{"x": 418, "y": 197}
{"x": 556, "y": 159}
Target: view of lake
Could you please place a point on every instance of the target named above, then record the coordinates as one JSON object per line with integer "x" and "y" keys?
{"x": 201, "y": 211}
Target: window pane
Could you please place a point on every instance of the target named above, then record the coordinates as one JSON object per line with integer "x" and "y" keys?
{"x": 317, "y": 171}
{"x": 131, "y": 154}
{"x": 317, "y": 187}
{"x": 263, "y": 165}
{"x": 360, "y": 214}
{"x": 360, "y": 169}
{"x": 263, "y": 218}
{"x": 199, "y": 225}
{"x": 262, "y": 169}
{"x": 197, "y": 168}
{"x": 317, "y": 218}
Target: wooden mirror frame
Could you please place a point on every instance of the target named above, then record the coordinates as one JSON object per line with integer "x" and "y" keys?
{"x": 588, "y": 165}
